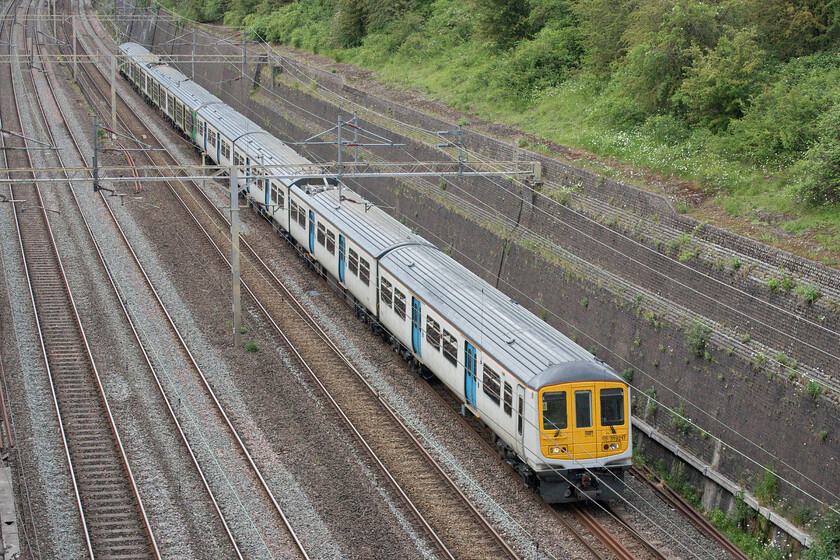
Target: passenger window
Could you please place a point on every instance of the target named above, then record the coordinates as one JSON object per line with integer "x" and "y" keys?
{"x": 399, "y": 304}
{"x": 492, "y": 385}
{"x": 554, "y": 411}
{"x": 322, "y": 235}
{"x": 433, "y": 333}
{"x": 450, "y": 347}
{"x": 385, "y": 293}
{"x": 520, "y": 403}
{"x": 364, "y": 271}
{"x": 302, "y": 216}
{"x": 293, "y": 209}
{"x": 331, "y": 242}
{"x": 583, "y": 409}
{"x": 353, "y": 262}
{"x": 508, "y": 399}
{"x": 612, "y": 407}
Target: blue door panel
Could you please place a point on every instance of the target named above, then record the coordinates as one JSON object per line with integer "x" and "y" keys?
{"x": 312, "y": 232}
{"x": 469, "y": 373}
{"x": 341, "y": 254}
{"x": 267, "y": 187}
{"x": 416, "y": 319}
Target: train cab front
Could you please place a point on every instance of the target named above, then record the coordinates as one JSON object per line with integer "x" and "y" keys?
{"x": 584, "y": 433}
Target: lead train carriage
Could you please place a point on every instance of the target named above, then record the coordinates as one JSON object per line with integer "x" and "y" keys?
{"x": 560, "y": 416}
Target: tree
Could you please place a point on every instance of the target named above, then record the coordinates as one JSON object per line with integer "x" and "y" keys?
{"x": 350, "y": 23}
{"x": 603, "y": 23}
{"x": 722, "y": 82}
{"x": 503, "y": 22}
{"x": 792, "y": 28}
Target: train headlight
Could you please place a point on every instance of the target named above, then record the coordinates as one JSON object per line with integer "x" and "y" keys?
{"x": 554, "y": 451}
{"x": 613, "y": 446}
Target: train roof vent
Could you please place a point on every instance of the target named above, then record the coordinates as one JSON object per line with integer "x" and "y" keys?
{"x": 511, "y": 340}
{"x": 409, "y": 265}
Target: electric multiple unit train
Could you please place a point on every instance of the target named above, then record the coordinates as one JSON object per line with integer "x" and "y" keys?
{"x": 560, "y": 416}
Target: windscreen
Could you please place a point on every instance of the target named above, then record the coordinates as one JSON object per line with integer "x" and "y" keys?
{"x": 612, "y": 407}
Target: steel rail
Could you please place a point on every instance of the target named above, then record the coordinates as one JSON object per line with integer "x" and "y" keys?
{"x": 606, "y": 538}
{"x": 123, "y": 455}
{"x": 20, "y": 467}
{"x": 47, "y": 354}
{"x": 131, "y": 322}
{"x": 212, "y": 394}
{"x": 678, "y": 503}
{"x": 38, "y": 321}
{"x": 639, "y": 537}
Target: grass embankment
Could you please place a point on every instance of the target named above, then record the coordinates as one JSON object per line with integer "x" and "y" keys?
{"x": 722, "y": 95}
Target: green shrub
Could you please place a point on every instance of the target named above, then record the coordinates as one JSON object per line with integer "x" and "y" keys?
{"x": 627, "y": 374}
{"x": 808, "y": 292}
{"x": 537, "y": 64}
{"x": 251, "y": 346}
{"x": 735, "y": 263}
{"x": 813, "y": 389}
{"x": 585, "y": 302}
{"x": 679, "y": 421}
{"x": 773, "y": 284}
{"x": 651, "y": 408}
{"x": 788, "y": 283}
{"x": 696, "y": 338}
{"x": 767, "y": 489}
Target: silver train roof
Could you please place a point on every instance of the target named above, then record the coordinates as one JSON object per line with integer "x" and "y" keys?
{"x": 523, "y": 344}
{"x": 370, "y": 227}
{"x": 189, "y": 92}
{"x": 249, "y": 137}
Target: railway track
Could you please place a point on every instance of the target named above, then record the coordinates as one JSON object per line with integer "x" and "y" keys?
{"x": 425, "y": 487}
{"x": 678, "y": 503}
{"x": 111, "y": 512}
{"x": 274, "y": 543}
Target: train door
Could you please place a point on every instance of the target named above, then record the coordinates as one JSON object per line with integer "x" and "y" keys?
{"x": 416, "y": 318}
{"x": 520, "y": 420}
{"x": 218, "y": 148}
{"x": 267, "y": 187}
{"x": 341, "y": 258}
{"x": 583, "y": 427}
{"x": 312, "y": 232}
{"x": 469, "y": 373}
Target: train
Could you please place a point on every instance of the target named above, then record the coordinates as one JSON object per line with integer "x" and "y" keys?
{"x": 560, "y": 416}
